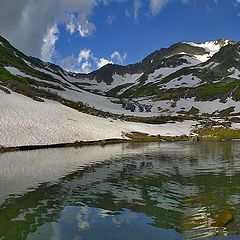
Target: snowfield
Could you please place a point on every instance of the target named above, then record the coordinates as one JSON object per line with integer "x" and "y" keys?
{"x": 76, "y": 94}
{"x": 183, "y": 81}
{"x": 16, "y": 72}
{"x": 165, "y": 71}
{"x": 27, "y": 122}
{"x": 170, "y": 107}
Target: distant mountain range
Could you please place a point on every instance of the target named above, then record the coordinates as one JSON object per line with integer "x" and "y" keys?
{"x": 185, "y": 79}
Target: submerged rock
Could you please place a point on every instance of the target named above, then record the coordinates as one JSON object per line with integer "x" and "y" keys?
{"x": 222, "y": 219}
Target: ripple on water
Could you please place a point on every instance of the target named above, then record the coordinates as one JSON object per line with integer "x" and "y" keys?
{"x": 124, "y": 191}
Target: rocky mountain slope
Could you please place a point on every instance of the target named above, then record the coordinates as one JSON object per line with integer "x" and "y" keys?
{"x": 199, "y": 79}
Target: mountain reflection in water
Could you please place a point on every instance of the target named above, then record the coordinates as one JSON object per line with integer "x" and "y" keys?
{"x": 124, "y": 191}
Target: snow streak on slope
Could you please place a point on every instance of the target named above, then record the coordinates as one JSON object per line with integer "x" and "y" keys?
{"x": 102, "y": 87}
{"x": 161, "y": 73}
{"x": 27, "y": 122}
{"x": 165, "y": 71}
{"x": 183, "y": 81}
{"x": 210, "y": 65}
{"x": 16, "y": 72}
{"x": 191, "y": 61}
{"x": 56, "y": 76}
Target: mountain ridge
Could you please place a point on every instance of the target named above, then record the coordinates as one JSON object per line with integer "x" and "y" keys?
{"x": 194, "y": 72}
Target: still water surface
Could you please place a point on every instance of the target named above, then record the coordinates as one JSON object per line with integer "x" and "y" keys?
{"x": 124, "y": 191}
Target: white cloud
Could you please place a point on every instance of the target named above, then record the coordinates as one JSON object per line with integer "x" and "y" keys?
{"x": 157, "y": 6}
{"x": 70, "y": 25}
{"x": 83, "y": 63}
{"x": 81, "y": 25}
{"x": 127, "y": 13}
{"x": 134, "y": 13}
{"x": 103, "y": 61}
{"x": 86, "y": 61}
{"x": 26, "y": 23}
{"x": 70, "y": 64}
{"x": 86, "y": 67}
{"x": 85, "y": 29}
{"x": 110, "y": 19}
{"x": 120, "y": 58}
{"x": 49, "y": 43}
{"x": 136, "y": 7}
{"x": 84, "y": 55}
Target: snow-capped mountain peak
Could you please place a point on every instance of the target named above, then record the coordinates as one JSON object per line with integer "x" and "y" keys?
{"x": 211, "y": 47}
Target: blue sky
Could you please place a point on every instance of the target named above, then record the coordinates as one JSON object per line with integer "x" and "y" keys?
{"x": 83, "y": 35}
{"x": 117, "y": 29}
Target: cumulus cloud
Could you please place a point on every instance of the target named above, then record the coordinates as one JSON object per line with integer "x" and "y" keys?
{"x": 86, "y": 67}
{"x": 103, "y": 61}
{"x": 79, "y": 64}
{"x": 77, "y": 24}
{"x": 27, "y": 23}
{"x": 32, "y": 26}
{"x": 115, "y": 58}
{"x": 83, "y": 59}
{"x": 86, "y": 61}
{"x": 69, "y": 63}
{"x": 84, "y": 54}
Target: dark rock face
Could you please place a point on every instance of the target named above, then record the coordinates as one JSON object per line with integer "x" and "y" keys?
{"x": 135, "y": 106}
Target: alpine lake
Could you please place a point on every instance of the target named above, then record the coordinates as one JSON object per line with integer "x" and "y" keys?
{"x": 129, "y": 191}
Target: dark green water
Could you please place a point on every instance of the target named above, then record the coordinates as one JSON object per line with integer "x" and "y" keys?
{"x": 121, "y": 192}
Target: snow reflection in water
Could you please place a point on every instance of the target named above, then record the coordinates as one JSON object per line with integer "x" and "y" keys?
{"x": 123, "y": 191}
